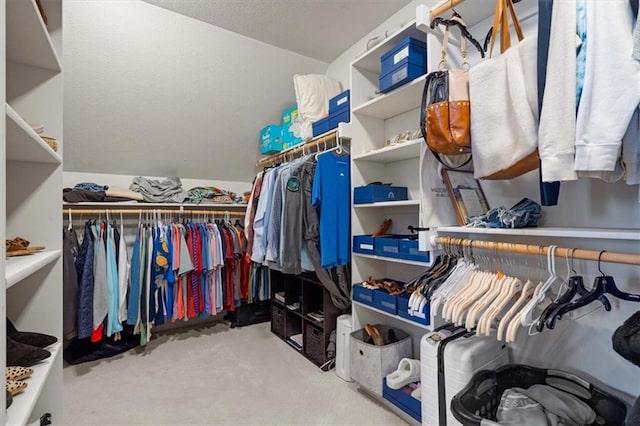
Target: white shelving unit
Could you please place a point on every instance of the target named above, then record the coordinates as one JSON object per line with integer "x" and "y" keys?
{"x": 560, "y": 232}
{"x": 31, "y": 195}
{"x": 391, "y": 154}
{"x": 393, "y": 260}
{"x": 21, "y": 267}
{"x": 425, "y": 328}
{"x": 402, "y": 99}
{"x": 404, "y": 203}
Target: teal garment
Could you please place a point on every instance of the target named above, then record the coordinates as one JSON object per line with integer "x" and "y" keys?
{"x": 581, "y": 59}
{"x": 134, "y": 282}
{"x": 113, "y": 321}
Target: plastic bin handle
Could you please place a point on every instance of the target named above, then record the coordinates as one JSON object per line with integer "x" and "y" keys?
{"x": 571, "y": 377}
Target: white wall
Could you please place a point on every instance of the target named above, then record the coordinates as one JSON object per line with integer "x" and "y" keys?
{"x": 152, "y": 92}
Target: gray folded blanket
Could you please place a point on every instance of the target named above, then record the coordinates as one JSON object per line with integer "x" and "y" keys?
{"x": 154, "y": 191}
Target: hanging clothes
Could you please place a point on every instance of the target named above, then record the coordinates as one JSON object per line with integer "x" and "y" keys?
{"x": 70, "y": 253}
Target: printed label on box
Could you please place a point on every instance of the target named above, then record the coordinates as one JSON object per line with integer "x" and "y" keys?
{"x": 401, "y": 55}
{"x": 388, "y": 304}
{"x": 366, "y": 246}
{"x": 400, "y": 75}
{"x": 391, "y": 249}
{"x": 365, "y": 297}
{"x": 343, "y": 100}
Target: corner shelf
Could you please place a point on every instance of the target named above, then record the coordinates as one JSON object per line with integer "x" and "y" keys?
{"x": 24, "y": 403}
{"x": 391, "y": 154}
{"x": 402, "y": 99}
{"x": 370, "y": 60}
{"x": 392, "y": 259}
{"x": 24, "y": 144}
{"x": 561, "y": 232}
{"x": 20, "y": 267}
{"x": 399, "y": 318}
{"x": 28, "y": 41}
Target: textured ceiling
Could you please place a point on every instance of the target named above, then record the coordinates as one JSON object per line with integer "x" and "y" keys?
{"x": 320, "y": 29}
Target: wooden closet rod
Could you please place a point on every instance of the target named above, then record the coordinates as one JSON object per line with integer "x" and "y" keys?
{"x": 279, "y": 158}
{"x": 437, "y": 11}
{"x": 133, "y": 211}
{"x": 608, "y": 256}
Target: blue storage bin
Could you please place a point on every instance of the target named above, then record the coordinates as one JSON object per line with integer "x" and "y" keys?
{"x": 385, "y": 302}
{"x": 402, "y": 399}
{"x": 409, "y": 50}
{"x": 321, "y": 126}
{"x": 396, "y": 78}
{"x": 378, "y": 193}
{"x": 340, "y": 116}
{"x": 388, "y": 245}
{"x": 363, "y": 244}
{"x": 362, "y": 295}
{"x": 408, "y": 249}
{"x": 289, "y": 117}
{"x": 338, "y": 103}
{"x": 417, "y": 317}
{"x": 271, "y": 139}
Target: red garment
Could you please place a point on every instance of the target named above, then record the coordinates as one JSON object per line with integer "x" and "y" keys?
{"x": 229, "y": 267}
{"x": 190, "y": 311}
{"x": 96, "y": 335}
{"x": 199, "y": 269}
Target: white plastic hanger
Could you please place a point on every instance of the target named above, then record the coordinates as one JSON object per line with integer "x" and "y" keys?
{"x": 70, "y": 227}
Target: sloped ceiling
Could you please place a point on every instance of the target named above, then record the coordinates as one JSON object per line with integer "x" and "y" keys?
{"x": 320, "y": 29}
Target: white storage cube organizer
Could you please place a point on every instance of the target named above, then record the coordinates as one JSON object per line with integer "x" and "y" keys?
{"x": 463, "y": 357}
{"x": 371, "y": 363}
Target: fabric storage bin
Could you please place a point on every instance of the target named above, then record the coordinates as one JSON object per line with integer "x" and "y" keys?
{"x": 371, "y": 363}
{"x": 277, "y": 320}
{"x": 417, "y": 317}
{"x": 339, "y": 102}
{"x": 385, "y": 302}
{"x": 406, "y": 73}
{"x": 408, "y": 51}
{"x": 362, "y": 294}
{"x": 402, "y": 399}
{"x": 314, "y": 343}
{"x": 321, "y": 126}
{"x": 388, "y": 245}
{"x": 363, "y": 244}
{"x": 408, "y": 249}
{"x": 271, "y": 139}
{"x": 289, "y": 117}
{"x": 342, "y": 115}
{"x": 378, "y": 193}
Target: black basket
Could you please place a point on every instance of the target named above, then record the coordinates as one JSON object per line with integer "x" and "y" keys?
{"x": 480, "y": 398}
{"x": 277, "y": 320}
{"x": 314, "y": 343}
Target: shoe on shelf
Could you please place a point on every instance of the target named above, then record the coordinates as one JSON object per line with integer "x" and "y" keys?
{"x": 16, "y": 244}
{"x": 9, "y": 399}
{"x": 15, "y": 387}
{"x": 375, "y": 334}
{"x": 18, "y": 373}
{"x": 21, "y": 355}
{"x": 384, "y": 228}
{"x": 38, "y": 340}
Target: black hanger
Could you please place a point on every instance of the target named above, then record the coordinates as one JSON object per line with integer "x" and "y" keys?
{"x": 463, "y": 29}
{"x": 487, "y": 39}
{"x": 603, "y": 284}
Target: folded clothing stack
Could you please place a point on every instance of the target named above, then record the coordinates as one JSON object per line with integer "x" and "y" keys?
{"x": 211, "y": 194}
{"x": 155, "y": 191}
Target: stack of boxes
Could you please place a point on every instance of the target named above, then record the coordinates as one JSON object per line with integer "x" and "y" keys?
{"x": 402, "y": 64}
{"x": 339, "y": 112}
{"x": 275, "y": 138}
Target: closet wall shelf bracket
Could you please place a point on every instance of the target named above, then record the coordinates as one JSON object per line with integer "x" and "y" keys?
{"x": 20, "y": 267}
{"x": 23, "y": 405}
{"x": 559, "y": 232}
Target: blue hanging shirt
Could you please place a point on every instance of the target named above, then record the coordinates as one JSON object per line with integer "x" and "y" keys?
{"x": 331, "y": 193}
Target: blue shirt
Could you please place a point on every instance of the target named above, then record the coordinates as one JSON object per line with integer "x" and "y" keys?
{"x": 331, "y": 192}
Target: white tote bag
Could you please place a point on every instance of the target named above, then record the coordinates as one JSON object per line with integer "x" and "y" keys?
{"x": 504, "y": 111}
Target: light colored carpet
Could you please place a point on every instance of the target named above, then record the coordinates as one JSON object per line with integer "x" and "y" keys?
{"x": 214, "y": 375}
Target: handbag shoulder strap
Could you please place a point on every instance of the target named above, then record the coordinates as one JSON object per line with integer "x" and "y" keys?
{"x": 444, "y": 64}
{"x": 501, "y": 25}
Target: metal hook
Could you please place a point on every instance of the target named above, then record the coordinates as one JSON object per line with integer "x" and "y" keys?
{"x": 599, "y": 260}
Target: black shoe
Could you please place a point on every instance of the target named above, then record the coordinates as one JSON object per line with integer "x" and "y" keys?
{"x": 22, "y": 355}
{"x": 9, "y": 399}
{"x": 38, "y": 340}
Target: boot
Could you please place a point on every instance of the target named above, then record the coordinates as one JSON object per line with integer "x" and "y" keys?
{"x": 22, "y": 355}
{"x": 38, "y": 340}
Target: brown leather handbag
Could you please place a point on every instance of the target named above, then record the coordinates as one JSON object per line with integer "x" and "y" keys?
{"x": 445, "y": 113}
